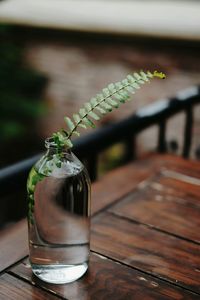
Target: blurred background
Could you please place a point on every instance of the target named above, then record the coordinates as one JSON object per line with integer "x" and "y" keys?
{"x": 56, "y": 55}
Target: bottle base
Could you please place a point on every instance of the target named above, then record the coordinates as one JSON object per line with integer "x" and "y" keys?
{"x": 59, "y": 274}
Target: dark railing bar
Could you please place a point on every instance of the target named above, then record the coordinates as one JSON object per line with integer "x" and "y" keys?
{"x": 162, "y": 137}
{"x": 130, "y": 150}
{"x": 134, "y": 147}
{"x": 149, "y": 115}
{"x": 103, "y": 137}
{"x": 188, "y": 132}
{"x": 92, "y": 164}
{"x": 15, "y": 175}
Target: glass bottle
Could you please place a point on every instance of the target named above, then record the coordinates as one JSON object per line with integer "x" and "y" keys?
{"x": 58, "y": 216}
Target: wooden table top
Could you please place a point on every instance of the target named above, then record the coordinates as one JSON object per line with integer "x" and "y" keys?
{"x": 145, "y": 238}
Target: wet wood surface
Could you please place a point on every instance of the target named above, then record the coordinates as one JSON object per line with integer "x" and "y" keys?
{"x": 148, "y": 249}
{"x": 145, "y": 240}
{"x": 13, "y": 288}
{"x": 108, "y": 280}
{"x": 13, "y": 244}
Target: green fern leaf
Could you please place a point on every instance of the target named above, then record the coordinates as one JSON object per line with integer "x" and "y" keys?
{"x": 88, "y": 122}
{"x": 125, "y": 94}
{"x": 106, "y": 106}
{"x": 101, "y": 110}
{"x": 130, "y": 89}
{"x": 130, "y": 79}
{"x": 106, "y": 92}
{"x": 88, "y": 106}
{"x": 82, "y": 125}
{"x": 111, "y": 88}
{"x": 100, "y": 97}
{"x": 120, "y": 97}
{"x": 135, "y": 85}
{"x": 119, "y": 86}
{"x": 93, "y": 102}
{"x": 82, "y": 112}
{"x": 125, "y": 82}
{"x": 112, "y": 102}
{"x": 144, "y": 76}
{"x": 76, "y": 133}
{"x": 157, "y": 74}
{"x": 68, "y": 143}
{"x": 104, "y": 102}
{"x": 93, "y": 115}
{"x": 69, "y": 123}
{"x": 150, "y": 75}
{"x": 137, "y": 76}
{"x": 77, "y": 118}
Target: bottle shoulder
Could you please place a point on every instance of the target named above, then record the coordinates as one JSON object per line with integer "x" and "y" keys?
{"x": 59, "y": 165}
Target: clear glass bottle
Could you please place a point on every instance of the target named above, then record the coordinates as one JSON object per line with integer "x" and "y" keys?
{"x": 58, "y": 216}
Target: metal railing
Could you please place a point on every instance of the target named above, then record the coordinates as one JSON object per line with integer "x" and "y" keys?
{"x": 90, "y": 146}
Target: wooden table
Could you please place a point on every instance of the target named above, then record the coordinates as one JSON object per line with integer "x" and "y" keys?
{"x": 145, "y": 241}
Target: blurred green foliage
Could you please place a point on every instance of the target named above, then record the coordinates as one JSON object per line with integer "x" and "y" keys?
{"x": 111, "y": 158}
{"x": 20, "y": 92}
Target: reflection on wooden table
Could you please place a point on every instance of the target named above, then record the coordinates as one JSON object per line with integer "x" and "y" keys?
{"x": 145, "y": 242}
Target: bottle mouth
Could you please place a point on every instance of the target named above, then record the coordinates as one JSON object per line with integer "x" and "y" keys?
{"x": 49, "y": 143}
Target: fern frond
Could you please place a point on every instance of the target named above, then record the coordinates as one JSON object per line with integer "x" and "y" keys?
{"x": 87, "y": 122}
{"x": 112, "y": 102}
{"x": 93, "y": 115}
{"x": 77, "y": 118}
{"x": 69, "y": 123}
{"x": 101, "y": 110}
{"x": 107, "y": 100}
{"x": 88, "y": 106}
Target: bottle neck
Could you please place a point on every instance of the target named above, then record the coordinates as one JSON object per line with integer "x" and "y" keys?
{"x": 53, "y": 149}
{"x": 58, "y": 162}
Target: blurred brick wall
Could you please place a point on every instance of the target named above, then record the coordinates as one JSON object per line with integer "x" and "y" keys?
{"x": 78, "y": 70}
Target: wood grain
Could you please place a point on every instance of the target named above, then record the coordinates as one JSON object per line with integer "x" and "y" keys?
{"x": 109, "y": 280}
{"x": 12, "y": 288}
{"x": 165, "y": 203}
{"x": 117, "y": 184}
{"x": 13, "y": 244}
{"x": 149, "y": 250}
{"x": 161, "y": 192}
{"x": 186, "y": 187}
{"x": 104, "y": 193}
{"x": 157, "y": 162}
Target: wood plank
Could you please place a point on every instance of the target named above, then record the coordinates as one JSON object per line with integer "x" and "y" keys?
{"x": 12, "y": 288}
{"x": 13, "y": 244}
{"x": 117, "y": 184}
{"x": 14, "y": 240}
{"x": 176, "y": 264}
{"x": 177, "y": 164}
{"x": 149, "y": 250}
{"x": 183, "y": 185}
{"x": 165, "y": 203}
{"x": 158, "y": 162}
{"x": 104, "y": 193}
{"x": 109, "y": 280}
